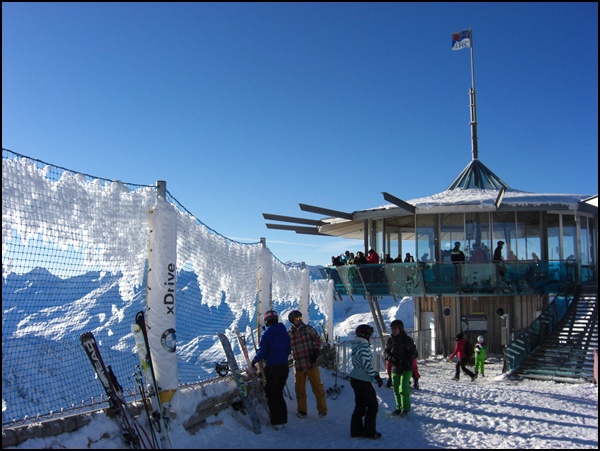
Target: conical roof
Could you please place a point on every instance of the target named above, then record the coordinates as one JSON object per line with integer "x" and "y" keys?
{"x": 477, "y": 175}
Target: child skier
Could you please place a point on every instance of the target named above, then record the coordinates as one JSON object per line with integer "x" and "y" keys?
{"x": 480, "y": 355}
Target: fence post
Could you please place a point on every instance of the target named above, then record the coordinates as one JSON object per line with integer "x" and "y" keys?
{"x": 305, "y": 293}
{"x": 265, "y": 284}
{"x": 161, "y": 292}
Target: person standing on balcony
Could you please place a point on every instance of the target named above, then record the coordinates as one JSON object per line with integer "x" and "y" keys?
{"x": 478, "y": 256}
{"x": 499, "y": 260}
{"x": 457, "y": 256}
{"x": 372, "y": 257}
{"x": 498, "y": 252}
{"x": 360, "y": 258}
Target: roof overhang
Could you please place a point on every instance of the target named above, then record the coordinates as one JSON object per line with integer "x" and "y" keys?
{"x": 325, "y": 211}
{"x": 297, "y": 229}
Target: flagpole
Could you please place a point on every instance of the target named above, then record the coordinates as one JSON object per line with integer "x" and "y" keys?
{"x": 474, "y": 148}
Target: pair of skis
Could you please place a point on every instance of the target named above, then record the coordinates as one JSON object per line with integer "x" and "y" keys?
{"x": 258, "y": 385}
{"x": 159, "y": 415}
{"x": 134, "y": 435}
{"x": 242, "y": 386}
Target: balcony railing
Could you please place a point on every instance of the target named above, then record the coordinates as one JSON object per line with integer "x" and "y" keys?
{"x": 469, "y": 279}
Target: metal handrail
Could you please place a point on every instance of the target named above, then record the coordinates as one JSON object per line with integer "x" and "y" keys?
{"x": 471, "y": 279}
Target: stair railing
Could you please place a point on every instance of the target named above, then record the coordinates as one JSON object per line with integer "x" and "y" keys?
{"x": 537, "y": 332}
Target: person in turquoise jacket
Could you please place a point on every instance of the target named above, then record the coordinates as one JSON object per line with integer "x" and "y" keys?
{"x": 364, "y": 418}
{"x": 480, "y": 355}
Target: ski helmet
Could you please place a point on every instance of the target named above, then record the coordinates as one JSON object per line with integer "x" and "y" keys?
{"x": 271, "y": 317}
{"x": 293, "y": 315}
{"x": 480, "y": 339}
{"x": 397, "y": 323}
{"x": 364, "y": 331}
{"x": 459, "y": 336}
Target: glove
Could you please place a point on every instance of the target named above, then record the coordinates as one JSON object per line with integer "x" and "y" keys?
{"x": 449, "y": 359}
{"x": 379, "y": 380}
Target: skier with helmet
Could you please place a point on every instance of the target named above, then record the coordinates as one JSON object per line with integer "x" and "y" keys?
{"x": 274, "y": 349}
{"x": 480, "y": 355}
{"x": 364, "y": 417}
{"x": 306, "y": 347}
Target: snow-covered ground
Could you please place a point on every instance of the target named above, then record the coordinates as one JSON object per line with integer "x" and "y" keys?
{"x": 490, "y": 413}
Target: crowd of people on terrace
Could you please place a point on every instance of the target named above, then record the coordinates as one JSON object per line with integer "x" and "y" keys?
{"x": 479, "y": 253}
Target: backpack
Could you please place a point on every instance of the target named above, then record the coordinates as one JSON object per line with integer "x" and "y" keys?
{"x": 469, "y": 351}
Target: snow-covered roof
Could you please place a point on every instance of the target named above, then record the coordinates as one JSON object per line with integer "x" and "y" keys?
{"x": 485, "y": 199}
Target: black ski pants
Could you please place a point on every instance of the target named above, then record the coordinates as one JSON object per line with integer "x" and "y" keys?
{"x": 461, "y": 365}
{"x": 275, "y": 378}
{"x": 365, "y": 406}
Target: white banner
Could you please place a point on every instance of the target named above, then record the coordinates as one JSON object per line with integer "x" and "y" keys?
{"x": 160, "y": 296}
{"x": 329, "y": 310}
{"x": 265, "y": 284}
{"x": 305, "y": 294}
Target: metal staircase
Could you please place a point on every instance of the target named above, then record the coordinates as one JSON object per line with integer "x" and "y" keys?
{"x": 567, "y": 352}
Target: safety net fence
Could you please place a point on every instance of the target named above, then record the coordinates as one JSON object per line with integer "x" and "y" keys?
{"x": 75, "y": 259}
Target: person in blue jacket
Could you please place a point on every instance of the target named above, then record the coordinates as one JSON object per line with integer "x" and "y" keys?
{"x": 275, "y": 348}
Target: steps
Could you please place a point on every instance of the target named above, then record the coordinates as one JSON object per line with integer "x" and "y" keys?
{"x": 567, "y": 354}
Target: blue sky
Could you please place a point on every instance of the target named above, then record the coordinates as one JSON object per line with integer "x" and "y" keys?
{"x": 252, "y": 108}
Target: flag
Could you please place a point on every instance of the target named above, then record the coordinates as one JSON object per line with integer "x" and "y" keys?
{"x": 461, "y": 40}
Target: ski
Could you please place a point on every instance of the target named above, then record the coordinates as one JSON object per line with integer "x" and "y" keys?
{"x": 327, "y": 353}
{"x": 139, "y": 380}
{"x": 261, "y": 368}
{"x": 241, "y": 383}
{"x": 258, "y": 386}
{"x": 133, "y": 434}
{"x": 159, "y": 415}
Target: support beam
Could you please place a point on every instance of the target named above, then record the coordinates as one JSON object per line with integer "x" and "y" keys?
{"x": 399, "y": 202}
{"x": 297, "y": 229}
{"x": 313, "y": 222}
{"x": 500, "y": 197}
{"x": 325, "y": 211}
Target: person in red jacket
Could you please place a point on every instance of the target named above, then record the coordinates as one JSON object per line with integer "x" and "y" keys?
{"x": 372, "y": 257}
{"x": 459, "y": 351}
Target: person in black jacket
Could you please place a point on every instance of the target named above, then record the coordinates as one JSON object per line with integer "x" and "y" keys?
{"x": 400, "y": 350}
{"x": 457, "y": 256}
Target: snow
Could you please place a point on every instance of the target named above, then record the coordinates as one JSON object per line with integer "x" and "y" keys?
{"x": 491, "y": 413}
{"x": 485, "y": 198}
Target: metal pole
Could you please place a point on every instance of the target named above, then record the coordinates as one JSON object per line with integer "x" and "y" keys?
{"x": 474, "y": 147}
